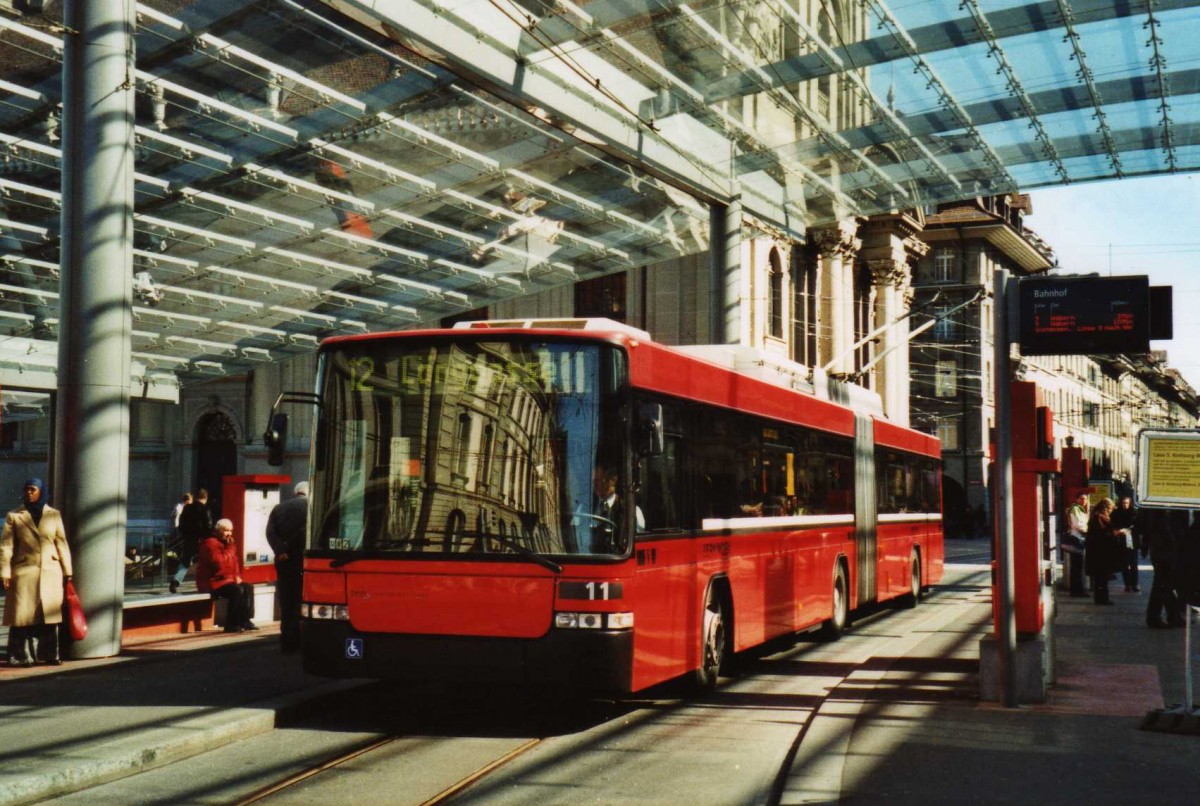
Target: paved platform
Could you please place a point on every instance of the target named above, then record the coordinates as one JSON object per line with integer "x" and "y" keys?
{"x": 90, "y": 721}
{"x": 910, "y": 729}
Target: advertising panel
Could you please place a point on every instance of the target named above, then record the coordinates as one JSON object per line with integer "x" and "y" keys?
{"x": 1169, "y": 468}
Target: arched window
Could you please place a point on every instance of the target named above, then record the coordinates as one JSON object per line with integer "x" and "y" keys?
{"x": 804, "y": 306}
{"x": 775, "y": 301}
{"x": 824, "y": 82}
{"x": 862, "y": 318}
{"x": 456, "y": 523}
{"x": 485, "y": 457}
{"x": 505, "y": 462}
{"x": 215, "y": 456}
{"x": 462, "y": 445}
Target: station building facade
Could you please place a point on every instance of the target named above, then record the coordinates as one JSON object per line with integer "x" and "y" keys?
{"x": 833, "y": 302}
{"x": 812, "y": 303}
{"x": 815, "y": 307}
{"x": 803, "y": 306}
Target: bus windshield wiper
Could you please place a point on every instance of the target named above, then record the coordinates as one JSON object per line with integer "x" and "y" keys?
{"x": 340, "y": 561}
{"x": 528, "y": 553}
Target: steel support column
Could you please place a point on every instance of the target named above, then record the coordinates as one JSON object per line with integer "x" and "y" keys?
{"x": 1002, "y": 478}
{"x": 92, "y": 414}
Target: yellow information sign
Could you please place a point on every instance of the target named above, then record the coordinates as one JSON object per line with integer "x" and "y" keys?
{"x": 1169, "y": 462}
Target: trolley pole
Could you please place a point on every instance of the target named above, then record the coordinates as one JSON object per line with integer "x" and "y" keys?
{"x": 1003, "y": 481}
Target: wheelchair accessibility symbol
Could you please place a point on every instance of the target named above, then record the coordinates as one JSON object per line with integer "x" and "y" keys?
{"x": 354, "y": 648}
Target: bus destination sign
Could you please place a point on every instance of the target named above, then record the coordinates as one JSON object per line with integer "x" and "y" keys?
{"x": 1083, "y": 315}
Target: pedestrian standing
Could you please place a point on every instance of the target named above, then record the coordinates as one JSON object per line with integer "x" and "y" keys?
{"x": 219, "y": 572}
{"x": 1160, "y": 539}
{"x": 184, "y": 500}
{"x": 1074, "y": 542}
{"x": 1101, "y": 557}
{"x": 35, "y": 563}
{"x": 287, "y": 532}
{"x": 195, "y": 524}
{"x": 1124, "y": 520}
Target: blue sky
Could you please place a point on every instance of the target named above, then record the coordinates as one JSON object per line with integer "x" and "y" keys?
{"x": 1145, "y": 226}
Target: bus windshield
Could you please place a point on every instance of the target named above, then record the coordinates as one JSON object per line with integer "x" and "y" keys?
{"x": 456, "y": 446}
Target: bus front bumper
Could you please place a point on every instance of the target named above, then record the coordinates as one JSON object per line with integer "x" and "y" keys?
{"x": 588, "y": 660}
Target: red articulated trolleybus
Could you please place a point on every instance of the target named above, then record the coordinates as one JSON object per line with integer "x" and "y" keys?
{"x": 567, "y": 502}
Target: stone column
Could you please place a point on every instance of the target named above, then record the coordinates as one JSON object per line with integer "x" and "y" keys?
{"x": 837, "y": 247}
{"x": 892, "y": 298}
{"x": 891, "y": 250}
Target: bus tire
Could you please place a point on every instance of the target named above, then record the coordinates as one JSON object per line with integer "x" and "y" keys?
{"x": 839, "y": 620}
{"x": 913, "y": 596}
{"x": 713, "y": 643}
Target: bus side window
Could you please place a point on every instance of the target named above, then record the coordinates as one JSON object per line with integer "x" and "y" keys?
{"x": 660, "y": 486}
{"x": 661, "y": 491}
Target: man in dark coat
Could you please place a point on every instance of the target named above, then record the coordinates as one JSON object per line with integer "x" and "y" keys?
{"x": 1160, "y": 539}
{"x": 1125, "y": 521}
{"x": 287, "y": 532}
{"x": 1187, "y": 567}
{"x": 195, "y": 524}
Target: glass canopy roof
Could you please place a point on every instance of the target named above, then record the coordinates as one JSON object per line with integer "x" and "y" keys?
{"x": 310, "y": 168}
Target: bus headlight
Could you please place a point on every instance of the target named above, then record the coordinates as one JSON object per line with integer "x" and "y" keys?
{"x": 593, "y": 621}
{"x": 620, "y": 621}
{"x": 325, "y": 612}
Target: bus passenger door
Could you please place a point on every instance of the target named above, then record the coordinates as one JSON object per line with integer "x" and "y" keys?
{"x": 663, "y": 563}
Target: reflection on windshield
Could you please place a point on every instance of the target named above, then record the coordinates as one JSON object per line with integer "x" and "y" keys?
{"x": 462, "y": 447}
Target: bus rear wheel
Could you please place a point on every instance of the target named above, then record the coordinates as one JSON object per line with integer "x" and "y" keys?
{"x": 839, "y": 619}
{"x": 913, "y": 596}
{"x": 712, "y": 644}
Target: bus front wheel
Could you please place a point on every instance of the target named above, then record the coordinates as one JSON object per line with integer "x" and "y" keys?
{"x": 712, "y": 643}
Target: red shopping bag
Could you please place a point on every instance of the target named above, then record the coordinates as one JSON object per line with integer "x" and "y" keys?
{"x": 75, "y": 613}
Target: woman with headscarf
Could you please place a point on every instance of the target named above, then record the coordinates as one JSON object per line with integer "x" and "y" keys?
{"x": 35, "y": 563}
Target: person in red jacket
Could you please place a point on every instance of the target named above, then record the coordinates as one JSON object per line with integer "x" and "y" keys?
{"x": 218, "y": 572}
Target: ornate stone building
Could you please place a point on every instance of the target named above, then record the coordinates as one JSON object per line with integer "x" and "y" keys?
{"x": 832, "y": 306}
{"x": 1099, "y": 402}
{"x": 951, "y": 362}
{"x": 814, "y": 296}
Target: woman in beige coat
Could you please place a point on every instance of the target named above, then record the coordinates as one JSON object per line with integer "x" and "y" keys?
{"x": 35, "y": 563}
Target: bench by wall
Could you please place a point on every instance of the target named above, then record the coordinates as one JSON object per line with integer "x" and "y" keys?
{"x": 155, "y": 617}
{"x": 160, "y": 616}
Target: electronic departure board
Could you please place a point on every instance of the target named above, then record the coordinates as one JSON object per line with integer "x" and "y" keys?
{"x": 1083, "y": 315}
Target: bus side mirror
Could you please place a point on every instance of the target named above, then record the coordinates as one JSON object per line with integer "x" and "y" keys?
{"x": 650, "y": 429}
{"x": 275, "y": 439}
